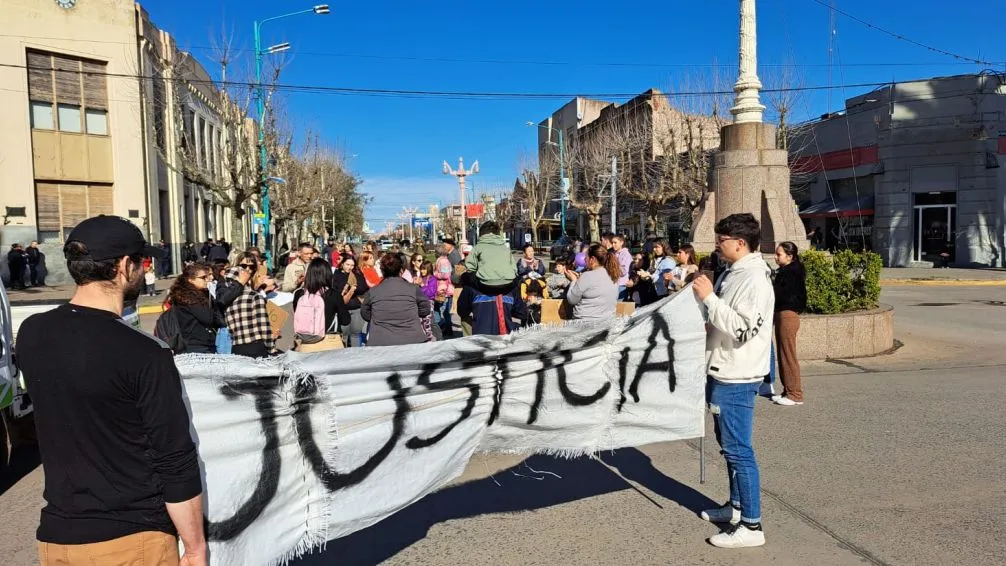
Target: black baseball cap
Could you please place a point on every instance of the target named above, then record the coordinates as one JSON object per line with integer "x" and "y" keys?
{"x": 109, "y": 237}
{"x": 448, "y": 241}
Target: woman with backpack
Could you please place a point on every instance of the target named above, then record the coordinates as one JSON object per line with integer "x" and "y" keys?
{"x": 318, "y": 310}
{"x": 195, "y": 318}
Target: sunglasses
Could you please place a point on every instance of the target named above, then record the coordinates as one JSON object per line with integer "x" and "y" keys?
{"x": 205, "y": 277}
{"x": 248, "y": 266}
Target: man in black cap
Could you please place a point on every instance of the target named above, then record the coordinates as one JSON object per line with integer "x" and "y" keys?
{"x": 122, "y": 474}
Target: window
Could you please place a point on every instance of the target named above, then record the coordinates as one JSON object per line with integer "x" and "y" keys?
{"x": 160, "y": 109}
{"x": 78, "y": 88}
{"x": 41, "y": 116}
{"x": 69, "y": 117}
{"x": 97, "y": 121}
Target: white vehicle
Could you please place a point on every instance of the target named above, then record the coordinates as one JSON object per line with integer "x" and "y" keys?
{"x": 15, "y": 403}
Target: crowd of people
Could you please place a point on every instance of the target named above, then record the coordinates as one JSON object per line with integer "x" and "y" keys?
{"x": 26, "y": 266}
{"x": 139, "y": 508}
{"x": 347, "y": 296}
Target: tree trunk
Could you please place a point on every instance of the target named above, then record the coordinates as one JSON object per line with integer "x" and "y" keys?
{"x": 651, "y": 222}
{"x": 533, "y": 224}
{"x": 238, "y": 237}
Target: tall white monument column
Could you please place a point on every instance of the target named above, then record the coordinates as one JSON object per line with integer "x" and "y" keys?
{"x": 749, "y": 173}
{"x": 747, "y": 105}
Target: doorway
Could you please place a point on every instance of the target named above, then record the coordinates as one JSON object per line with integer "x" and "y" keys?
{"x": 935, "y": 227}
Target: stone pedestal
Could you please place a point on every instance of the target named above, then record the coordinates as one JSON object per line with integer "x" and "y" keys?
{"x": 750, "y": 175}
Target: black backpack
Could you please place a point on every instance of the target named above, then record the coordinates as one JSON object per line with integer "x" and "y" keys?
{"x": 169, "y": 331}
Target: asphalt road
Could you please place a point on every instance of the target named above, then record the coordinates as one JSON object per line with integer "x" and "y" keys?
{"x": 893, "y": 460}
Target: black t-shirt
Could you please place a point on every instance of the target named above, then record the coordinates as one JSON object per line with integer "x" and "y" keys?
{"x": 113, "y": 430}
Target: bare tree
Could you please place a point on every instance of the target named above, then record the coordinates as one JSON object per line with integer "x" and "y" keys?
{"x": 205, "y": 131}
{"x": 534, "y": 189}
{"x": 785, "y": 98}
{"x": 668, "y": 171}
{"x": 319, "y": 197}
{"x": 620, "y": 134}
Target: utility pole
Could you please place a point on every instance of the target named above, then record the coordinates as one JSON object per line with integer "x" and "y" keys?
{"x": 461, "y": 173}
{"x": 614, "y": 194}
{"x": 410, "y": 213}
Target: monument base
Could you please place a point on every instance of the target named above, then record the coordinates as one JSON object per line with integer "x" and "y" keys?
{"x": 750, "y": 175}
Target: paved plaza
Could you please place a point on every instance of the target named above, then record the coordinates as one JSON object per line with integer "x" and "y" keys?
{"x": 893, "y": 460}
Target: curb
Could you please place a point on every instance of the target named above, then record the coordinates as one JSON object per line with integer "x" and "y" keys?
{"x": 942, "y": 283}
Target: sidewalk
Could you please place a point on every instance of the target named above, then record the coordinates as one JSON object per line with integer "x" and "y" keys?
{"x": 58, "y": 294}
{"x": 943, "y": 277}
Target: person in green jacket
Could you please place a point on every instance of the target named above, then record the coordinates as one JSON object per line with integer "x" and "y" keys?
{"x": 491, "y": 261}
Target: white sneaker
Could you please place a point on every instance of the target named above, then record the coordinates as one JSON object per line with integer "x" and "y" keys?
{"x": 742, "y": 537}
{"x": 726, "y": 514}
{"x": 776, "y": 398}
{"x": 787, "y": 402}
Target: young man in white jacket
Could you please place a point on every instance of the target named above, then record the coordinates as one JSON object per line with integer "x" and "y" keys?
{"x": 739, "y": 312}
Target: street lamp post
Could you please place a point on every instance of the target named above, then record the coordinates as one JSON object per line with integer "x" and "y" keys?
{"x": 320, "y": 9}
{"x": 461, "y": 173}
{"x": 563, "y": 181}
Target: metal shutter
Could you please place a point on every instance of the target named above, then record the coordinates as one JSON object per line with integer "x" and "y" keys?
{"x": 40, "y": 85}
{"x": 99, "y": 200}
{"x": 74, "y": 199}
{"x": 67, "y": 80}
{"x": 47, "y": 201}
{"x": 95, "y": 85}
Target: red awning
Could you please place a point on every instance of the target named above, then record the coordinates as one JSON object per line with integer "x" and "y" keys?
{"x": 840, "y": 208}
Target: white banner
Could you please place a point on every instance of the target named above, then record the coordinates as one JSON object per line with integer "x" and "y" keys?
{"x": 306, "y": 448}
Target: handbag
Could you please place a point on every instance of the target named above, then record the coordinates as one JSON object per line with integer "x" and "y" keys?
{"x": 329, "y": 342}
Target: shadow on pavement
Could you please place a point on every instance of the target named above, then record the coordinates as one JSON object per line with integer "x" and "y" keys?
{"x": 23, "y": 459}
{"x": 532, "y": 484}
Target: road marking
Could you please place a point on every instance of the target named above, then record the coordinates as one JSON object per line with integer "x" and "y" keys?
{"x": 942, "y": 283}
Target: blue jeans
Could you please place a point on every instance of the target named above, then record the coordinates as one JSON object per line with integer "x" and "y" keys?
{"x": 445, "y": 322}
{"x": 223, "y": 341}
{"x": 622, "y": 295}
{"x": 772, "y": 366}
{"x": 732, "y": 406}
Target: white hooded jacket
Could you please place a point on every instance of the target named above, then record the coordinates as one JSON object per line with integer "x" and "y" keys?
{"x": 739, "y": 314}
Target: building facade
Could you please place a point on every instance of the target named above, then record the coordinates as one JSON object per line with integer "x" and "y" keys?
{"x": 80, "y": 127}
{"x": 656, "y": 153}
{"x": 913, "y": 171}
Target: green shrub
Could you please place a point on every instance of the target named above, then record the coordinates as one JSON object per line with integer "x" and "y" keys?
{"x": 843, "y": 282}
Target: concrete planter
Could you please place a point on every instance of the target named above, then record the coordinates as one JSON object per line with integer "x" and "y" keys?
{"x": 848, "y": 335}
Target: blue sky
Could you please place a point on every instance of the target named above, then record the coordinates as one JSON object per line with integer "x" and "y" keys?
{"x": 555, "y": 46}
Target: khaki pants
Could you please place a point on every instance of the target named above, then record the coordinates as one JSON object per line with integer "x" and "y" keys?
{"x": 787, "y": 324}
{"x": 142, "y": 549}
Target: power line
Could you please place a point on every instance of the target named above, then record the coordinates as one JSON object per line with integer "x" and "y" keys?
{"x": 490, "y": 61}
{"x": 900, "y": 37}
{"x": 406, "y": 93}
{"x": 465, "y": 95}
